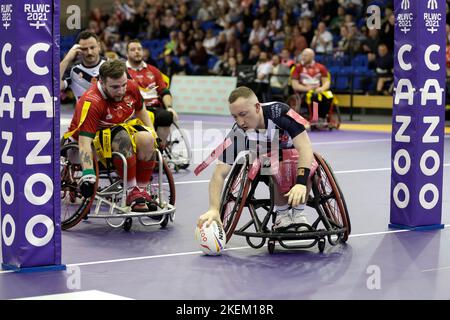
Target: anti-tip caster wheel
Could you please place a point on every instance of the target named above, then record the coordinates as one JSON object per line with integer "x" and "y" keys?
{"x": 271, "y": 246}
{"x": 127, "y": 224}
{"x": 321, "y": 245}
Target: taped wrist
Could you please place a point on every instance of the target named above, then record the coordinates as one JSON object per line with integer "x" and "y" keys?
{"x": 302, "y": 176}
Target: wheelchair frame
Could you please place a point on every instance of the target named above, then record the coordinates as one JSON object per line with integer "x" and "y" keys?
{"x": 246, "y": 177}
{"x": 114, "y": 195}
{"x": 174, "y": 159}
{"x": 333, "y": 120}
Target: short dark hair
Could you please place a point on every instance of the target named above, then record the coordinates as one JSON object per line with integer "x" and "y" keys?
{"x": 113, "y": 69}
{"x": 133, "y": 41}
{"x": 86, "y": 34}
{"x": 244, "y": 92}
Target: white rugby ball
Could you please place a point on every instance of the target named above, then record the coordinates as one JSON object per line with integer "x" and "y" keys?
{"x": 211, "y": 239}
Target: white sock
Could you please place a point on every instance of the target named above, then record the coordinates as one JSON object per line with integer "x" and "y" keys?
{"x": 298, "y": 208}
{"x": 131, "y": 184}
{"x": 282, "y": 209}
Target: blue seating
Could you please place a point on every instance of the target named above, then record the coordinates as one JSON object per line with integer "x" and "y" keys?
{"x": 360, "y": 60}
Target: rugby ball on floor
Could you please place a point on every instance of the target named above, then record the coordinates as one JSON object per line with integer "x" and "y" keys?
{"x": 211, "y": 239}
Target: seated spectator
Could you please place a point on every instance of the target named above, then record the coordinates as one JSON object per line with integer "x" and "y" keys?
{"x": 383, "y": 64}
{"x": 322, "y": 42}
{"x": 263, "y": 71}
{"x": 279, "y": 78}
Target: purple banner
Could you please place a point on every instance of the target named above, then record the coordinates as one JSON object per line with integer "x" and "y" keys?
{"x": 29, "y": 133}
{"x": 419, "y": 113}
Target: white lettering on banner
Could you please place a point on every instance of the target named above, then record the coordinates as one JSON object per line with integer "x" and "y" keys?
{"x": 6, "y": 48}
{"x": 401, "y": 187}
{"x": 7, "y": 179}
{"x": 33, "y": 157}
{"x": 429, "y": 64}
{"x": 427, "y": 137}
{"x": 402, "y": 153}
{"x": 73, "y": 21}
{"x": 37, "y": 219}
{"x": 404, "y": 21}
{"x": 423, "y": 162}
{"x": 404, "y": 48}
{"x": 6, "y": 94}
{"x": 6, "y": 158}
{"x": 434, "y": 190}
{"x": 399, "y": 136}
{"x": 435, "y": 94}
{"x": 37, "y": 14}
{"x": 29, "y": 106}
{"x": 8, "y": 220}
{"x": 431, "y": 90}
{"x": 6, "y": 10}
{"x": 31, "y": 54}
{"x": 28, "y": 189}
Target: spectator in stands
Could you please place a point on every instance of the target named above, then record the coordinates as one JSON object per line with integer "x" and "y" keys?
{"x": 154, "y": 91}
{"x": 322, "y": 42}
{"x": 337, "y": 21}
{"x": 286, "y": 58}
{"x": 387, "y": 32}
{"x": 383, "y": 64}
{"x": 306, "y": 29}
{"x": 254, "y": 54}
{"x": 183, "y": 66}
{"x": 230, "y": 69}
{"x": 169, "y": 67}
{"x": 258, "y": 33}
{"x": 199, "y": 57}
{"x": 85, "y": 72}
{"x": 263, "y": 71}
{"x": 298, "y": 43}
{"x": 279, "y": 78}
{"x": 210, "y": 42}
{"x": 370, "y": 45}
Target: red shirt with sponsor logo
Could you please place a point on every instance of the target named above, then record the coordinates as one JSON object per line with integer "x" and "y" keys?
{"x": 150, "y": 81}
{"x": 105, "y": 112}
{"x": 311, "y": 74}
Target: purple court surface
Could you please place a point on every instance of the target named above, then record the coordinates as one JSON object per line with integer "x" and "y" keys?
{"x": 154, "y": 263}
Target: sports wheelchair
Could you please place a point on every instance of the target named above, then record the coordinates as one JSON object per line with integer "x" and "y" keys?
{"x": 177, "y": 152}
{"x": 109, "y": 199}
{"x": 324, "y": 195}
{"x": 311, "y": 111}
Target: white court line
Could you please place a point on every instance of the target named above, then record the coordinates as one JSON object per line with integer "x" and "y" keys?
{"x": 318, "y": 143}
{"x": 200, "y": 252}
{"x": 335, "y": 172}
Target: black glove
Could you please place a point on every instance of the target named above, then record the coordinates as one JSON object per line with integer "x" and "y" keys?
{"x": 87, "y": 184}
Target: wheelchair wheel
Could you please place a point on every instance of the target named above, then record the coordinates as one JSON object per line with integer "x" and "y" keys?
{"x": 74, "y": 207}
{"x": 168, "y": 188}
{"x": 331, "y": 198}
{"x": 334, "y": 118}
{"x": 234, "y": 196}
{"x": 177, "y": 151}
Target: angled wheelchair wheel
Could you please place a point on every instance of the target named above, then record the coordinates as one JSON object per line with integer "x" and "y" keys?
{"x": 74, "y": 207}
{"x": 234, "y": 196}
{"x": 334, "y": 118}
{"x": 331, "y": 197}
{"x": 167, "y": 188}
{"x": 177, "y": 151}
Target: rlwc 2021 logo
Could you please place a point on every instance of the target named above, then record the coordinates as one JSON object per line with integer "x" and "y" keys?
{"x": 432, "y": 19}
{"x": 6, "y": 10}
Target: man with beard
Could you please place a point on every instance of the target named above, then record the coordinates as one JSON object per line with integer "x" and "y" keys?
{"x": 85, "y": 72}
{"x": 157, "y": 97}
{"x": 104, "y": 117}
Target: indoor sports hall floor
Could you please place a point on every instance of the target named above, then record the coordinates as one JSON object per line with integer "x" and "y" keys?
{"x": 154, "y": 263}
